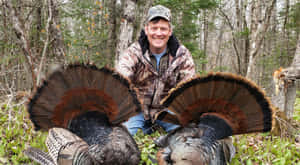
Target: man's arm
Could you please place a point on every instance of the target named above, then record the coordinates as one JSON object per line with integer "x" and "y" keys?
{"x": 187, "y": 69}
{"x": 126, "y": 62}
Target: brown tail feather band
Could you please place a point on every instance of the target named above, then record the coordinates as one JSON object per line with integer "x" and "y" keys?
{"x": 78, "y": 88}
{"x": 86, "y": 100}
{"x": 238, "y": 120}
{"x": 213, "y": 104}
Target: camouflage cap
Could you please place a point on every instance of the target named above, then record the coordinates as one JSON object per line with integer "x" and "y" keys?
{"x": 159, "y": 11}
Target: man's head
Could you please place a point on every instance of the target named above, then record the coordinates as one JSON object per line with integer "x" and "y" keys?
{"x": 158, "y": 28}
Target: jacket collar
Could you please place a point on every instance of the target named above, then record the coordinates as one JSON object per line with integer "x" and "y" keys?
{"x": 173, "y": 43}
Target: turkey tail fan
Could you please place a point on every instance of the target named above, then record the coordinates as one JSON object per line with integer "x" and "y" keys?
{"x": 232, "y": 98}
{"x": 79, "y": 88}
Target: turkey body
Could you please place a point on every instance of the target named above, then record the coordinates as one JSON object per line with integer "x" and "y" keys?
{"x": 107, "y": 144}
{"x": 194, "y": 145}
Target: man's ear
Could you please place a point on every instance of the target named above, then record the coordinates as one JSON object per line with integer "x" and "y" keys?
{"x": 171, "y": 32}
{"x": 146, "y": 29}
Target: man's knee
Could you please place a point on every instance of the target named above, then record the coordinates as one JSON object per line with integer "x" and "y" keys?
{"x": 134, "y": 123}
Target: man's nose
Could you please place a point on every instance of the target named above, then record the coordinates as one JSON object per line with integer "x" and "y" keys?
{"x": 159, "y": 31}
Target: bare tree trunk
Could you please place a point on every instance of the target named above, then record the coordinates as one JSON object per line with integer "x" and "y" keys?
{"x": 21, "y": 34}
{"x": 285, "y": 98}
{"x": 46, "y": 42}
{"x": 293, "y": 72}
{"x": 245, "y": 57}
{"x": 39, "y": 27}
{"x": 5, "y": 33}
{"x": 112, "y": 30}
{"x": 258, "y": 30}
{"x": 205, "y": 36}
{"x": 239, "y": 39}
{"x": 285, "y": 33}
{"x": 219, "y": 57}
{"x": 125, "y": 35}
{"x": 55, "y": 31}
{"x": 143, "y": 7}
{"x": 234, "y": 38}
{"x": 132, "y": 20}
{"x": 285, "y": 82}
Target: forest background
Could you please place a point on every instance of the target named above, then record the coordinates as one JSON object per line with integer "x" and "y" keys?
{"x": 251, "y": 38}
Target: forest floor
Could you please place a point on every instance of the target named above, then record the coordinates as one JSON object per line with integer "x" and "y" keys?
{"x": 275, "y": 148}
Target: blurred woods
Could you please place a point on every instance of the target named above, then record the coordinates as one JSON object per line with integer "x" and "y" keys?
{"x": 248, "y": 37}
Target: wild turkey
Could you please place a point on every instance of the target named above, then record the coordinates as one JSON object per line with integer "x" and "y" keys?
{"x": 209, "y": 109}
{"x": 82, "y": 108}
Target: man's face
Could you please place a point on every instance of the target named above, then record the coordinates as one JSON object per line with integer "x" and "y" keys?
{"x": 158, "y": 35}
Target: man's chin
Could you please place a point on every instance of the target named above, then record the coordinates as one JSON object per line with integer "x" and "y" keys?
{"x": 158, "y": 46}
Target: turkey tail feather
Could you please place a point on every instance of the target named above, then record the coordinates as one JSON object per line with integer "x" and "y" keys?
{"x": 78, "y": 89}
{"x": 236, "y": 100}
{"x": 39, "y": 156}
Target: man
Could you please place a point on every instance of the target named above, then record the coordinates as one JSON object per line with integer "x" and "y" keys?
{"x": 155, "y": 63}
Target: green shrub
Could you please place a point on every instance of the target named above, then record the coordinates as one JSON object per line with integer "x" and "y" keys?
{"x": 297, "y": 110}
{"x": 17, "y": 133}
{"x": 147, "y": 147}
{"x": 265, "y": 149}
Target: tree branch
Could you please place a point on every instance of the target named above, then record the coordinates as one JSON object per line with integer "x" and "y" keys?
{"x": 46, "y": 41}
{"x": 21, "y": 35}
{"x": 234, "y": 43}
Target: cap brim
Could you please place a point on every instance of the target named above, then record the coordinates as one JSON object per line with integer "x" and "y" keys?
{"x": 155, "y": 16}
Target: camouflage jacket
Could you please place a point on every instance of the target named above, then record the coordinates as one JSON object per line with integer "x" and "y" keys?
{"x": 153, "y": 85}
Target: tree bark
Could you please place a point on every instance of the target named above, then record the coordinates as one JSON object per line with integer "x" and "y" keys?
{"x": 143, "y": 7}
{"x": 259, "y": 27}
{"x": 239, "y": 39}
{"x": 293, "y": 72}
{"x": 21, "y": 34}
{"x": 246, "y": 39}
{"x": 55, "y": 31}
{"x": 5, "y": 31}
{"x": 39, "y": 26}
{"x": 235, "y": 42}
{"x": 112, "y": 24}
{"x": 285, "y": 83}
{"x": 126, "y": 27}
{"x": 132, "y": 20}
{"x": 286, "y": 35}
{"x": 46, "y": 42}
{"x": 205, "y": 36}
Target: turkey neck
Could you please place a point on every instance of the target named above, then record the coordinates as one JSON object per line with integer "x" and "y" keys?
{"x": 214, "y": 127}
{"x": 92, "y": 127}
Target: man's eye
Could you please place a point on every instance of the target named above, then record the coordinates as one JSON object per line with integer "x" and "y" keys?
{"x": 164, "y": 29}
